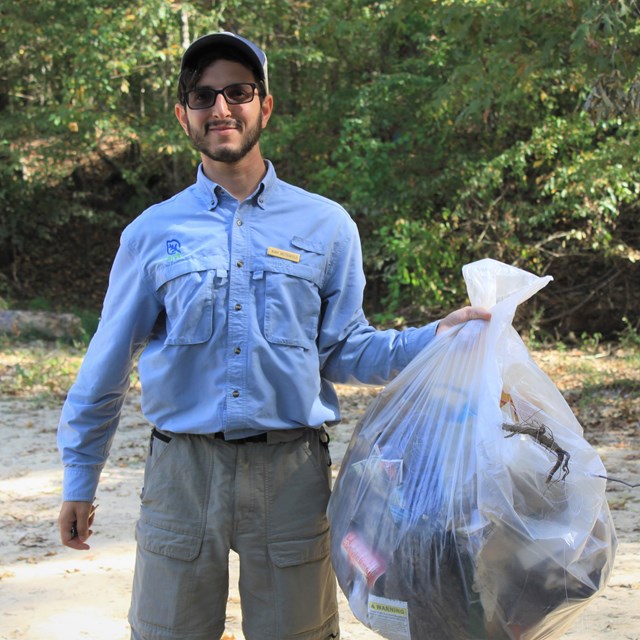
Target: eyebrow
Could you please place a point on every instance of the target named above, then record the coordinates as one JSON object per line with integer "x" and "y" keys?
{"x": 230, "y": 84}
{"x": 208, "y": 86}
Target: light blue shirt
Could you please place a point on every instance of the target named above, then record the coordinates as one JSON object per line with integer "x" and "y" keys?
{"x": 244, "y": 314}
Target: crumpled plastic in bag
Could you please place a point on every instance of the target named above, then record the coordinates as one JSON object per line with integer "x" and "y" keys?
{"x": 469, "y": 506}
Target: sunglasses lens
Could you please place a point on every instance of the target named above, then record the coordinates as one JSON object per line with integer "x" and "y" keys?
{"x": 238, "y": 93}
{"x": 201, "y": 98}
{"x": 205, "y": 98}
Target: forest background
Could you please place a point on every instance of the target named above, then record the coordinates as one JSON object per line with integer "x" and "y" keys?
{"x": 451, "y": 131}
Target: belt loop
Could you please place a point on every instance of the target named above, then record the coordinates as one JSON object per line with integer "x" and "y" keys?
{"x": 324, "y": 441}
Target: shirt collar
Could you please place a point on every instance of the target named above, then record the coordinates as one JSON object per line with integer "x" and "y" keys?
{"x": 259, "y": 197}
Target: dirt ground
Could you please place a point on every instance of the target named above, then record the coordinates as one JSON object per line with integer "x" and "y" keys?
{"x": 48, "y": 592}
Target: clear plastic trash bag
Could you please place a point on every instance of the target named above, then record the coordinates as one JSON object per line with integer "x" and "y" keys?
{"x": 468, "y": 504}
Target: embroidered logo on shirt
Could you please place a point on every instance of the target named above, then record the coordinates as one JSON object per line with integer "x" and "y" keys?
{"x": 285, "y": 255}
{"x": 173, "y": 247}
{"x": 173, "y": 250}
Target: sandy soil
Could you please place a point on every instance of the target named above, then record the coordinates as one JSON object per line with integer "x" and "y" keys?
{"x": 48, "y": 592}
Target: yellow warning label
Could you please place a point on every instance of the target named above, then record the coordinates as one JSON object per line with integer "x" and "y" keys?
{"x": 388, "y": 608}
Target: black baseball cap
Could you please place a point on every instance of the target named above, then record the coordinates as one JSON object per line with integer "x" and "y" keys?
{"x": 252, "y": 52}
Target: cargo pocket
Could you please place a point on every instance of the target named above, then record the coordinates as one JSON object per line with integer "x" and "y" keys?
{"x": 178, "y": 545}
{"x": 304, "y": 584}
{"x": 292, "y": 308}
{"x": 170, "y": 598}
{"x": 289, "y": 289}
{"x": 187, "y": 290}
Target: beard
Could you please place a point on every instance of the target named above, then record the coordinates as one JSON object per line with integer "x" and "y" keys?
{"x": 223, "y": 153}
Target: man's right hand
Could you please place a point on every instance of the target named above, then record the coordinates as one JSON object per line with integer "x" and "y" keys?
{"x": 74, "y": 521}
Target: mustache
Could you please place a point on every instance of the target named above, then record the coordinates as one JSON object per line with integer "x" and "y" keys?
{"x": 225, "y": 124}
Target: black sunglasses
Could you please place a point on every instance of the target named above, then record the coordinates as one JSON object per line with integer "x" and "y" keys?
{"x": 205, "y": 97}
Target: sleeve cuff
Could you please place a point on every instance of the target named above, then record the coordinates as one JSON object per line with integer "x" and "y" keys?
{"x": 80, "y": 483}
{"x": 421, "y": 337}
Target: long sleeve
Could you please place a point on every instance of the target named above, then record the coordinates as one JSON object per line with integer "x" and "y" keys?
{"x": 350, "y": 349}
{"x": 91, "y": 412}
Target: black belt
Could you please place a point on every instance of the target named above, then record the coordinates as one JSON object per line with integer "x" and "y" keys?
{"x": 219, "y": 435}
{"x": 261, "y": 437}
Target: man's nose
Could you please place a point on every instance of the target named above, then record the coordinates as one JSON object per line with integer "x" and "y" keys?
{"x": 220, "y": 105}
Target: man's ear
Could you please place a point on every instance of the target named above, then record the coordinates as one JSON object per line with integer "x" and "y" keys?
{"x": 267, "y": 109}
{"x": 181, "y": 114}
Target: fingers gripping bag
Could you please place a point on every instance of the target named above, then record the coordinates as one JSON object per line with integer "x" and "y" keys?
{"x": 468, "y": 505}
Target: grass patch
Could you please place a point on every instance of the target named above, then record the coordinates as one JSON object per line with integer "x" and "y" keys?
{"x": 602, "y": 388}
{"x": 37, "y": 370}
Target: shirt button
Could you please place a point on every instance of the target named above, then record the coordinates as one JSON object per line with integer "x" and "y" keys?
{"x": 238, "y": 307}
{"x": 237, "y": 350}
{"x": 239, "y": 264}
{"x": 236, "y": 393}
{"x": 239, "y": 222}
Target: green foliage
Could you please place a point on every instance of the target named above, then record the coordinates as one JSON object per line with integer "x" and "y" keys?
{"x": 629, "y": 337}
{"x": 591, "y": 342}
{"x": 423, "y": 256}
{"x": 454, "y": 130}
{"x": 451, "y": 130}
{"x": 39, "y": 304}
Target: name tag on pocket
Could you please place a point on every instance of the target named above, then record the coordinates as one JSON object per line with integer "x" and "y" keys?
{"x": 285, "y": 255}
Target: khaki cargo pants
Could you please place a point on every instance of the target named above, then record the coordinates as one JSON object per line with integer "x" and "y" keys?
{"x": 267, "y": 501}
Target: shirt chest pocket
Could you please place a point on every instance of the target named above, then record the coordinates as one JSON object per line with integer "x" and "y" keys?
{"x": 188, "y": 292}
{"x": 292, "y": 303}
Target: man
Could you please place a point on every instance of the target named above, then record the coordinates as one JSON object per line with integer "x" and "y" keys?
{"x": 244, "y": 296}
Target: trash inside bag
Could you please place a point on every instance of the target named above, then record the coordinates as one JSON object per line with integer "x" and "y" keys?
{"x": 468, "y": 505}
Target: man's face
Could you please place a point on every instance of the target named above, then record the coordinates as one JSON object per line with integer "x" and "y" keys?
{"x": 225, "y": 133}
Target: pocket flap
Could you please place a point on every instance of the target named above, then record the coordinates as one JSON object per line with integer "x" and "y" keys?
{"x": 308, "y": 245}
{"x": 291, "y": 553}
{"x": 284, "y": 267}
{"x": 191, "y": 264}
{"x": 164, "y": 542}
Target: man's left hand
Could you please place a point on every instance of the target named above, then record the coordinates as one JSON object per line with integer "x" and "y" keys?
{"x": 460, "y": 316}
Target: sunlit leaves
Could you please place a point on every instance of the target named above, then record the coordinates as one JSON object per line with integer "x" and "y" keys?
{"x": 450, "y": 129}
